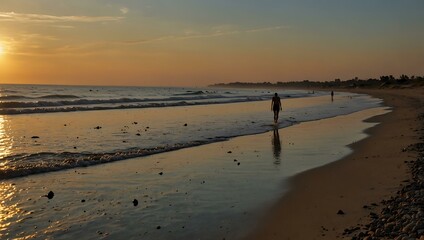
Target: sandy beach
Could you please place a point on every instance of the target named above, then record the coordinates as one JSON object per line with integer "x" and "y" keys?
{"x": 283, "y": 184}
{"x": 374, "y": 172}
{"x": 211, "y": 120}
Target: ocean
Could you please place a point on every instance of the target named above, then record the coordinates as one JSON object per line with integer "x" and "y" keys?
{"x": 47, "y": 128}
{"x": 202, "y": 163}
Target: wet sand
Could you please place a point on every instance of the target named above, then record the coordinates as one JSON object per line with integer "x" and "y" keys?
{"x": 373, "y": 172}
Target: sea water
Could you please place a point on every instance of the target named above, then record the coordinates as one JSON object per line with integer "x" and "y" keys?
{"x": 48, "y": 128}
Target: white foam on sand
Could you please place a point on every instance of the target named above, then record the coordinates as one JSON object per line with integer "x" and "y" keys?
{"x": 212, "y": 191}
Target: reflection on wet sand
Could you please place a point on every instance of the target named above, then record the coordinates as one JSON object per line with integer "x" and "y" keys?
{"x": 7, "y": 212}
{"x": 276, "y": 146}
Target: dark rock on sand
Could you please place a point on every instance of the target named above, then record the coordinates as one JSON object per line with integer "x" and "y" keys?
{"x": 50, "y": 195}
{"x": 161, "y": 173}
{"x": 158, "y": 227}
{"x": 35, "y": 137}
{"x": 135, "y": 202}
{"x": 185, "y": 125}
{"x": 98, "y": 127}
{"x": 340, "y": 212}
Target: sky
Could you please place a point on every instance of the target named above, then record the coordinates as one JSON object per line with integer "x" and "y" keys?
{"x": 201, "y": 42}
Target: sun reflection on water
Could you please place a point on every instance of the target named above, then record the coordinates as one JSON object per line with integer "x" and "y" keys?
{"x": 7, "y": 211}
{"x": 5, "y": 144}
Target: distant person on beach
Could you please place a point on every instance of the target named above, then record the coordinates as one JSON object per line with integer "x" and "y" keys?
{"x": 332, "y": 95}
{"x": 276, "y": 106}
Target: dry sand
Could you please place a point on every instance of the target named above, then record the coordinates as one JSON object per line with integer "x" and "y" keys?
{"x": 372, "y": 173}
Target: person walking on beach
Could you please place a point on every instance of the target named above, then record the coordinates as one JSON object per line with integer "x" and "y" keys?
{"x": 276, "y": 106}
{"x": 332, "y": 95}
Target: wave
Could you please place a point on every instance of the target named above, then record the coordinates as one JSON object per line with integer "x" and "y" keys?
{"x": 7, "y": 91}
{"x": 17, "y": 107}
{"x": 11, "y": 97}
{"x": 58, "y": 96}
{"x": 188, "y": 93}
{"x": 83, "y": 104}
{"x": 52, "y": 96}
{"x": 98, "y": 101}
{"x": 15, "y": 111}
{"x": 27, "y": 164}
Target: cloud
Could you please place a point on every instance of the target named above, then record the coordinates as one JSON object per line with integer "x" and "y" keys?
{"x": 40, "y": 50}
{"x": 275, "y": 28}
{"x": 32, "y": 48}
{"x": 218, "y": 31}
{"x": 64, "y": 26}
{"x": 124, "y": 10}
{"x": 33, "y": 36}
{"x": 43, "y": 18}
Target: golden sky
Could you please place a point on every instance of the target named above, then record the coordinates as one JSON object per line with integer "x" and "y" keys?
{"x": 201, "y": 42}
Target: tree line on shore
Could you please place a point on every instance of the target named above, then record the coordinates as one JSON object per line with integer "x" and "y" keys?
{"x": 387, "y": 81}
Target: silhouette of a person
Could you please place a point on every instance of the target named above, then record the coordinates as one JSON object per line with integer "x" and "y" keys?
{"x": 276, "y": 106}
{"x": 332, "y": 95}
{"x": 276, "y": 146}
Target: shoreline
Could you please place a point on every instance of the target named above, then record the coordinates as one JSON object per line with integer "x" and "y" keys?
{"x": 99, "y": 137}
{"x": 325, "y": 201}
{"x": 218, "y": 188}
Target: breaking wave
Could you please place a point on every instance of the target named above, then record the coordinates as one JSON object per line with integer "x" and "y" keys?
{"x": 27, "y": 164}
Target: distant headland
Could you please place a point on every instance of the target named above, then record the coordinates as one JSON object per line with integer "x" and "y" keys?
{"x": 403, "y": 81}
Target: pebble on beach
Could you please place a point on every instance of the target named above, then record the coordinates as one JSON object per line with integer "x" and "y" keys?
{"x": 135, "y": 202}
{"x": 401, "y": 216}
{"x": 50, "y": 195}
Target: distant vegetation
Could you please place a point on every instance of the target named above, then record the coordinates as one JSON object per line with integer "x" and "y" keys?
{"x": 403, "y": 81}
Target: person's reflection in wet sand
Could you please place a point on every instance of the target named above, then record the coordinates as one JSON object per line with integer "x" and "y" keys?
{"x": 276, "y": 146}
